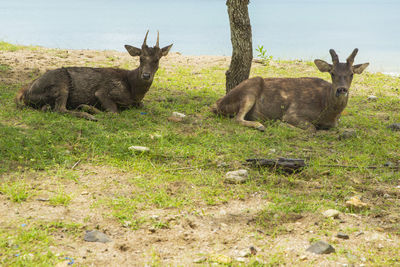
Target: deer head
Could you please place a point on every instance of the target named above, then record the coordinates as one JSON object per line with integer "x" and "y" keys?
{"x": 341, "y": 73}
{"x": 149, "y": 57}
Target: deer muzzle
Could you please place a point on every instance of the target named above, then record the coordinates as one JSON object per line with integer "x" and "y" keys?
{"x": 146, "y": 76}
{"x": 341, "y": 91}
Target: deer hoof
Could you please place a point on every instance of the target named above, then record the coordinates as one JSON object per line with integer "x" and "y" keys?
{"x": 261, "y": 128}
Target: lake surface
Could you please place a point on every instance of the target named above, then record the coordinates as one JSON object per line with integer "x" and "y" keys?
{"x": 288, "y": 29}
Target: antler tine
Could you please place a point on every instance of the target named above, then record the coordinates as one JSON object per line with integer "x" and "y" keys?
{"x": 335, "y": 58}
{"x": 350, "y": 59}
{"x": 158, "y": 39}
{"x": 145, "y": 39}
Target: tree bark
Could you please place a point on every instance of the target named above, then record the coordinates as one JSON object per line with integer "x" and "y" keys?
{"x": 242, "y": 48}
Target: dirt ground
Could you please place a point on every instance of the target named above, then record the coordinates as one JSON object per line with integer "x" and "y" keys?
{"x": 206, "y": 231}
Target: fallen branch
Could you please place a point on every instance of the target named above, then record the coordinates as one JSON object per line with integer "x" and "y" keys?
{"x": 293, "y": 165}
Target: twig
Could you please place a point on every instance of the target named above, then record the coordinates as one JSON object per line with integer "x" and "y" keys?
{"x": 76, "y": 164}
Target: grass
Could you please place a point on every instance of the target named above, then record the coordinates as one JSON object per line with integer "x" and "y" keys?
{"x": 183, "y": 168}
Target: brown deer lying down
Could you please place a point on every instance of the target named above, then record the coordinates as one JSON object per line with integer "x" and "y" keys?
{"x": 107, "y": 89}
{"x": 308, "y": 103}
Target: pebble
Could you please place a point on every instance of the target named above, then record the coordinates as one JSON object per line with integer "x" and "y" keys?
{"x": 342, "y": 235}
{"x": 347, "y": 134}
{"x": 139, "y": 148}
{"x": 303, "y": 257}
{"x": 221, "y": 259}
{"x": 200, "y": 260}
{"x": 321, "y": 247}
{"x": 236, "y": 177}
{"x": 96, "y": 236}
{"x": 394, "y": 126}
{"x": 372, "y": 98}
{"x": 386, "y": 195}
{"x": 178, "y": 115}
{"x": 331, "y": 213}
{"x": 240, "y": 259}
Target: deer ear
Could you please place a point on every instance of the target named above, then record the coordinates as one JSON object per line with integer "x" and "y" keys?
{"x": 133, "y": 51}
{"x": 358, "y": 69}
{"x": 322, "y": 65}
{"x": 165, "y": 50}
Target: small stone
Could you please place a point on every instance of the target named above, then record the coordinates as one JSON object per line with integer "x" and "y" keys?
{"x": 342, "y": 235}
{"x": 85, "y": 193}
{"x": 139, "y": 148}
{"x": 359, "y": 233}
{"x": 303, "y": 258}
{"x": 155, "y": 136}
{"x": 388, "y": 164}
{"x": 244, "y": 253}
{"x": 96, "y": 236}
{"x": 386, "y": 195}
{"x": 394, "y": 126}
{"x": 43, "y": 199}
{"x": 174, "y": 119}
{"x": 331, "y": 213}
{"x": 321, "y": 247}
{"x": 200, "y": 260}
{"x": 127, "y": 224}
{"x": 240, "y": 259}
{"x": 372, "y": 98}
{"x": 356, "y": 203}
{"x": 221, "y": 259}
{"x": 347, "y": 134}
{"x": 178, "y": 115}
{"x": 236, "y": 177}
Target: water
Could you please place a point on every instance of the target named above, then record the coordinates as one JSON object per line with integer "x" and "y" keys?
{"x": 288, "y": 29}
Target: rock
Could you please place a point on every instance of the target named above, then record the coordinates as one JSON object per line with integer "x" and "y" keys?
{"x": 96, "y": 236}
{"x": 394, "y": 126}
{"x": 178, "y": 115}
{"x": 200, "y": 260}
{"x": 139, "y": 148}
{"x": 321, "y": 247}
{"x": 236, "y": 177}
{"x": 386, "y": 195}
{"x": 372, "y": 98}
{"x": 342, "y": 235}
{"x": 347, "y": 134}
{"x": 221, "y": 259}
{"x": 331, "y": 213}
{"x": 356, "y": 203}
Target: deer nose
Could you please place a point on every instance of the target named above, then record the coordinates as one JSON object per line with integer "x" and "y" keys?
{"x": 341, "y": 90}
{"x": 146, "y": 76}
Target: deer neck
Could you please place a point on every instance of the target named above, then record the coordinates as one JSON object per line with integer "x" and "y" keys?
{"x": 137, "y": 84}
{"x": 334, "y": 106}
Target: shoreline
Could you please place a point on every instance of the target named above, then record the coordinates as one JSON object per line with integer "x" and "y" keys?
{"x": 174, "y": 57}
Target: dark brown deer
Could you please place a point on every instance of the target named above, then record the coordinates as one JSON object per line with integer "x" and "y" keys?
{"x": 308, "y": 103}
{"x": 109, "y": 89}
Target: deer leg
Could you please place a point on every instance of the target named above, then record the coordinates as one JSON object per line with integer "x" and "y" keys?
{"x": 245, "y": 107}
{"x": 299, "y": 122}
{"x": 105, "y": 100}
{"x": 61, "y": 106}
{"x": 89, "y": 109}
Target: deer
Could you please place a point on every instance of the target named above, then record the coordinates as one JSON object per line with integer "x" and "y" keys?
{"x": 73, "y": 89}
{"x": 308, "y": 103}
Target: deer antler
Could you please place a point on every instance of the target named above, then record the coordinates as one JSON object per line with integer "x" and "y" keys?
{"x": 335, "y": 58}
{"x": 145, "y": 39}
{"x": 158, "y": 40}
{"x": 350, "y": 59}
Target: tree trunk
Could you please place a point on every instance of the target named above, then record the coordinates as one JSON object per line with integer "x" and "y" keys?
{"x": 242, "y": 48}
